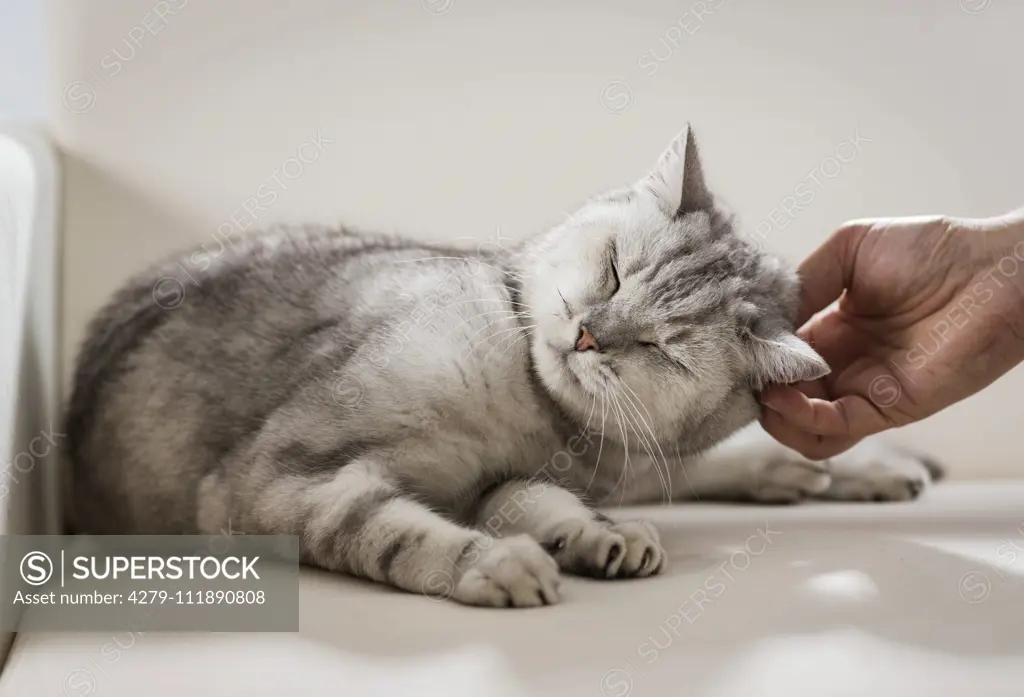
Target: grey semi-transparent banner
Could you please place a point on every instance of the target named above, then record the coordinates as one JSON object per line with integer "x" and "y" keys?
{"x": 216, "y": 583}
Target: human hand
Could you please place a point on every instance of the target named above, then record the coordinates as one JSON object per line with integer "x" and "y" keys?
{"x": 931, "y": 311}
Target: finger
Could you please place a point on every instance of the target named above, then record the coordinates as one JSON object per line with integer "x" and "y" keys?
{"x": 827, "y": 272}
{"x": 850, "y": 416}
{"x": 835, "y": 339}
{"x": 809, "y": 445}
{"x": 814, "y": 389}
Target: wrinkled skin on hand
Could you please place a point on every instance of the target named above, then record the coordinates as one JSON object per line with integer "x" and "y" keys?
{"x": 930, "y": 310}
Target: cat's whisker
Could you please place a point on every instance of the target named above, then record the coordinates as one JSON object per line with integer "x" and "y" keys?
{"x": 504, "y": 301}
{"x": 500, "y": 286}
{"x": 514, "y": 344}
{"x": 498, "y": 333}
{"x": 516, "y": 338}
{"x": 612, "y": 379}
{"x": 505, "y": 288}
{"x": 585, "y": 431}
{"x": 650, "y": 430}
{"x": 600, "y": 448}
{"x": 593, "y": 403}
{"x": 643, "y": 439}
{"x": 439, "y": 310}
{"x": 491, "y": 312}
{"x": 467, "y": 259}
{"x": 625, "y": 440}
{"x": 515, "y": 304}
{"x": 650, "y": 443}
{"x": 487, "y": 325}
{"x": 512, "y": 311}
{"x": 657, "y": 443}
{"x": 682, "y": 469}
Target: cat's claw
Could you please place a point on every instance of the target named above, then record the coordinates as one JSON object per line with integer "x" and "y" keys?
{"x": 645, "y": 556}
{"x": 625, "y": 549}
{"x": 871, "y": 471}
{"x": 878, "y": 473}
{"x": 512, "y": 572}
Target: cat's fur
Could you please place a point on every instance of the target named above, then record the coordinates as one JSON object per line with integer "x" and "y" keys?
{"x": 419, "y": 415}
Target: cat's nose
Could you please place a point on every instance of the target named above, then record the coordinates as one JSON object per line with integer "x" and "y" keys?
{"x": 586, "y": 341}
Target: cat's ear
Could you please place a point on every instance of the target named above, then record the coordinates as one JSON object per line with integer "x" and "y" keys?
{"x": 781, "y": 357}
{"x": 678, "y": 179}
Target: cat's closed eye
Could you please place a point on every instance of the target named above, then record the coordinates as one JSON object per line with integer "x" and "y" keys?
{"x": 646, "y": 343}
{"x": 615, "y": 283}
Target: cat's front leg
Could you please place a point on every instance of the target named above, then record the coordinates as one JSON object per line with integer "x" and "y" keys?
{"x": 582, "y": 541}
{"x": 359, "y": 522}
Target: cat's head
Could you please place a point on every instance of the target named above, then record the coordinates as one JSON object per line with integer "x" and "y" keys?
{"x": 651, "y": 311}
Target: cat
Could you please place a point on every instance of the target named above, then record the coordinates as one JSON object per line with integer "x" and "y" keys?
{"x": 446, "y": 421}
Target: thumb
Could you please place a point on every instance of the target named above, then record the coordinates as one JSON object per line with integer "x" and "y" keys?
{"x": 828, "y": 271}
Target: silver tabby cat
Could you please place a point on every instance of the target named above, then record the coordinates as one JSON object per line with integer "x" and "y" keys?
{"x": 445, "y": 421}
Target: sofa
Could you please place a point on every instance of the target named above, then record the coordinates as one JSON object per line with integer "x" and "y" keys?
{"x": 482, "y": 122}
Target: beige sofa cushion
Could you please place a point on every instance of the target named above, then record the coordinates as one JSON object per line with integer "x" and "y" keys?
{"x": 830, "y": 600}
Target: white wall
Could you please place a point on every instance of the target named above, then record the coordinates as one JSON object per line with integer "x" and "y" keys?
{"x": 23, "y": 52}
{"x": 451, "y": 118}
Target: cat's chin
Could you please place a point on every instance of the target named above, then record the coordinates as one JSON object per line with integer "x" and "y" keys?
{"x": 584, "y": 371}
{"x": 570, "y": 377}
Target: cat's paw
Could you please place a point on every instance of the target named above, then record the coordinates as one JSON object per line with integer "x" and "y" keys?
{"x": 789, "y": 479}
{"x": 512, "y": 572}
{"x": 876, "y": 471}
{"x": 607, "y": 549}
